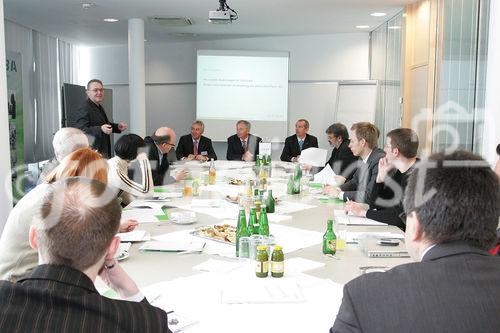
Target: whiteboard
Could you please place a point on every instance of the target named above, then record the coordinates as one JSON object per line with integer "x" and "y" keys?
{"x": 356, "y": 102}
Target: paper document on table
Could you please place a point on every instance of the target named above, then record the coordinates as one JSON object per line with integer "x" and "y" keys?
{"x": 325, "y": 176}
{"x": 322, "y": 299}
{"x": 299, "y": 265}
{"x": 258, "y": 291}
{"x": 354, "y": 237}
{"x": 341, "y": 217}
{"x": 287, "y": 207}
{"x": 172, "y": 246}
{"x": 134, "y": 236}
{"x": 218, "y": 266}
{"x": 142, "y": 215}
{"x": 313, "y": 156}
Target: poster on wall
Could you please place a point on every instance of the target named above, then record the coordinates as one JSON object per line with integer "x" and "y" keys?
{"x": 15, "y": 109}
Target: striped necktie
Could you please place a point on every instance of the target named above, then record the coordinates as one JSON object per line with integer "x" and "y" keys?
{"x": 195, "y": 147}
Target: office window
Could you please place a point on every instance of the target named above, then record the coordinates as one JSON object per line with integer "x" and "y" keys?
{"x": 385, "y": 67}
{"x": 460, "y": 79}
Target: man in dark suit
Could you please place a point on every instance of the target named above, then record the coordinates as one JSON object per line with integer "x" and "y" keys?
{"x": 361, "y": 188}
{"x": 195, "y": 146}
{"x": 74, "y": 231}
{"x": 159, "y": 145}
{"x": 295, "y": 144}
{"x": 242, "y": 146}
{"x": 452, "y": 204}
{"x": 342, "y": 156}
{"x": 91, "y": 118}
{"x": 394, "y": 169}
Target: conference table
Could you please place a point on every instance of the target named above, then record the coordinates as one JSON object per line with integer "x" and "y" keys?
{"x": 209, "y": 290}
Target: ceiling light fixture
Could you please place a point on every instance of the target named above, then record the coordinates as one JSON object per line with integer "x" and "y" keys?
{"x": 378, "y": 14}
{"x": 87, "y": 5}
{"x": 362, "y": 26}
{"x": 111, "y": 20}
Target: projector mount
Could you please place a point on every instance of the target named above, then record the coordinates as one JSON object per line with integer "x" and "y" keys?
{"x": 224, "y": 14}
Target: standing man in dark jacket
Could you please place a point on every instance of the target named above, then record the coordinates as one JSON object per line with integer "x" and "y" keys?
{"x": 91, "y": 118}
{"x": 296, "y": 143}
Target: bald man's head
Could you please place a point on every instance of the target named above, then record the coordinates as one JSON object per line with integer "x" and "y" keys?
{"x": 165, "y": 139}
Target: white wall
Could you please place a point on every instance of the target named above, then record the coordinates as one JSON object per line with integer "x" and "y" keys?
{"x": 171, "y": 74}
{"x": 5, "y": 171}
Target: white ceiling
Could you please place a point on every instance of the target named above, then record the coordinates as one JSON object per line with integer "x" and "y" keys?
{"x": 67, "y": 19}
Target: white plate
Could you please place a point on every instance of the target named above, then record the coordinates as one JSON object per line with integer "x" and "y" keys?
{"x": 182, "y": 221}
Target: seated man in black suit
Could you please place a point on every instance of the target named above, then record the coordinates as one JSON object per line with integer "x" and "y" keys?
{"x": 294, "y": 144}
{"x": 361, "y": 188}
{"x": 242, "y": 146}
{"x": 74, "y": 231}
{"x": 159, "y": 145}
{"x": 342, "y": 157}
{"x": 195, "y": 146}
{"x": 452, "y": 203}
{"x": 394, "y": 169}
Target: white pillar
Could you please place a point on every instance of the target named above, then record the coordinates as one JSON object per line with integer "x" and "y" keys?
{"x": 136, "y": 76}
{"x": 492, "y": 102}
{"x": 5, "y": 171}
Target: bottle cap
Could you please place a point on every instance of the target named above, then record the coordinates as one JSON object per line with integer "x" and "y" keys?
{"x": 261, "y": 248}
{"x": 278, "y": 248}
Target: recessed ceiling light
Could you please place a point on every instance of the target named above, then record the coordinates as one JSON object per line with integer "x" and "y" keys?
{"x": 111, "y": 20}
{"x": 362, "y": 26}
{"x": 87, "y": 5}
{"x": 378, "y": 14}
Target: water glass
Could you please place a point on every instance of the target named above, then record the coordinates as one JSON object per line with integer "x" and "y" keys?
{"x": 255, "y": 240}
{"x": 244, "y": 247}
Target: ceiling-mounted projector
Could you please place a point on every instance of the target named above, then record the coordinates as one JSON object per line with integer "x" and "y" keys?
{"x": 223, "y": 15}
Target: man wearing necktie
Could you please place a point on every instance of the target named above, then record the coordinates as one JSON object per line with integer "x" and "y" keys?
{"x": 195, "y": 146}
{"x": 294, "y": 144}
{"x": 242, "y": 146}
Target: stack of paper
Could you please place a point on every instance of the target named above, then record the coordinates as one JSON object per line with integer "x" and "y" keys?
{"x": 313, "y": 156}
{"x": 325, "y": 176}
{"x": 172, "y": 246}
{"x": 259, "y": 291}
{"x": 354, "y": 237}
{"x": 350, "y": 219}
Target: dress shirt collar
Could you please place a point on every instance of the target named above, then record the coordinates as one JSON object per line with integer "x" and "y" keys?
{"x": 303, "y": 139}
{"x": 426, "y": 250}
{"x": 365, "y": 160}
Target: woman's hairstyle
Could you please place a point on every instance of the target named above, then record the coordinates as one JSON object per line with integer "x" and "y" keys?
{"x": 128, "y": 145}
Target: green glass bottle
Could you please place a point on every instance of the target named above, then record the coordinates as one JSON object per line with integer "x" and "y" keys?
{"x": 241, "y": 229}
{"x": 289, "y": 185}
{"x": 270, "y": 202}
{"x": 297, "y": 174}
{"x": 329, "y": 240}
{"x": 257, "y": 161}
{"x": 253, "y": 223}
{"x": 263, "y": 223}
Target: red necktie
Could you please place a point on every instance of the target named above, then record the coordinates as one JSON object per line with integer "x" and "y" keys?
{"x": 195, "y": 146}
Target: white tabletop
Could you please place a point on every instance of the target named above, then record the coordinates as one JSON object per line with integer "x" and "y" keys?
{"x": 148, "y": 268}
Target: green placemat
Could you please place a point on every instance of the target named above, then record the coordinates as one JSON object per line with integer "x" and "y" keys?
{"x": 315, "y": 185}
{"x": 162, "y": 218}
{"x": 160, "y": 190}
{"x": 331, "y": 200}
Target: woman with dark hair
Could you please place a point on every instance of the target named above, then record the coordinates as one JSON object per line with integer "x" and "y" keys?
{"x": 127, "y": 149}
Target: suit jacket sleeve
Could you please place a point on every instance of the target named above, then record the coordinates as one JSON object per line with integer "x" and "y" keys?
{"x": 346, "y": 320}
{"x": 81, "y": 120}
{"x": 181, "y": 152}
{"x": 232, "y": 153}
{"x": 258, "y": 141}
{"x": 314, "y": 142}
{"x": 286, "y": 154}
{"x": 362, "y": 192}
{"x": 210, "y": 150}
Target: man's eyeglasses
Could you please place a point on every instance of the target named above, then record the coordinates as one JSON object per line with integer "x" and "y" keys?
{"x": 97, "y": 90}
{"x": 171, "y": 144}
